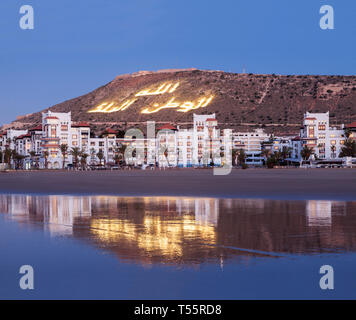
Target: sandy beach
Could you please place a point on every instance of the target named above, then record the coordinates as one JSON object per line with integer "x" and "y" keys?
{"x": 318, "y": 184}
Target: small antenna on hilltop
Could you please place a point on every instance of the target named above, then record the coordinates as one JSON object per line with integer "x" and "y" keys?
{"x": 244, "y": 69}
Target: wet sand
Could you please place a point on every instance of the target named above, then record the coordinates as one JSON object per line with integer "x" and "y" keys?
{"x": 306, "y": 184}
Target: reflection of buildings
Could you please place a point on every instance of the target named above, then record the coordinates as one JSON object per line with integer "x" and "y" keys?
{"x": 319, "y": 213}
{"x": 189, "y": 230}
{"x": 63, "y": 210}
{"x": 58, "y": 213}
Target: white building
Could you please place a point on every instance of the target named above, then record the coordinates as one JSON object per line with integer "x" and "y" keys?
{"x": 317, "y": 134}
{"x": 201, "y": 145}
{"x": 8, "y": 138}
{"x": 251, "y": 143}
{"x": 58, "y": 130}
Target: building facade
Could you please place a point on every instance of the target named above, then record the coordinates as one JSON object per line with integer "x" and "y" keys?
{"x": 204, "y": 144}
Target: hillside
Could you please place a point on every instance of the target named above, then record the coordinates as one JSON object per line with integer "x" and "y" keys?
{"x": 240, "y": 101}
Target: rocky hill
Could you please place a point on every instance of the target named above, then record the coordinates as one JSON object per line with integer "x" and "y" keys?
{"x": 240, "y": 101}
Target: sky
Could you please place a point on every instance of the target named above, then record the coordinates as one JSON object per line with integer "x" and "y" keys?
{"x": 77, "y": 46}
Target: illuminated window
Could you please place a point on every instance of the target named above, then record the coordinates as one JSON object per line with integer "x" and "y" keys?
{"x": 311, "y": 131}
{"x": 53, "y": 132}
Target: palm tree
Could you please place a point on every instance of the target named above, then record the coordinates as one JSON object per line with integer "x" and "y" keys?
{"x": 7, "y": 156}
{"x": 13, "y": 156}
{"x": 46, "y": 155}
{"x": 32, "y": 156}
{"x": 18, "y": 159}
{"x": 278, "y": 156}
{"x": 265, "y": 153}
{"x": 117, "y": 159}
{"x": 349, "y": 148}
{"x": 121, "y": 151}
{"x": 75, "y": 152}
{"x": 286, "y": 152}
{"x": 306, "y": 152}
{"x": 83, "y": 159}
{"x": 64, "y": 151}
{"x": 242, "y": 156}
{"x": 100, "y": 156}
{"x": 333, "y": 149}
{"x": 92, "y": 155}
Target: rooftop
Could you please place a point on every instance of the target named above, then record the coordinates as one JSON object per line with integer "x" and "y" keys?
{"x": 167, "y": 127}
{"x": 110, "y": 131}
{"x": 351, "y": 125}
{"x": 81, "y": 125}
{"x": 37, "y": 128}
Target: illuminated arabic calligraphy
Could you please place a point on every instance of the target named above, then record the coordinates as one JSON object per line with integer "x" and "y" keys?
{"x": 109, "y": 108}
{"x": 182, "y": 107}
{"x": 164, "y": 88}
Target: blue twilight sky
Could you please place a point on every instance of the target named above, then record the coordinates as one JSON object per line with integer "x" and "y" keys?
{"x": 79, "y": 45}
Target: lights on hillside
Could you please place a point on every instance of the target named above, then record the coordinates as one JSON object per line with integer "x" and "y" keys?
{"x": 164, "y": 88}
{"x": 111, "y": 107}
{"x": 181, "y": 107}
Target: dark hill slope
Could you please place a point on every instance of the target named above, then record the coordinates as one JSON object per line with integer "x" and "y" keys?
{"x": 240, "y": 100}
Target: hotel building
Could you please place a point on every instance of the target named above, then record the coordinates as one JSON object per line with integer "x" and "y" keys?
{"x": 203, "y": 144}
{"x": 317, "y": 134}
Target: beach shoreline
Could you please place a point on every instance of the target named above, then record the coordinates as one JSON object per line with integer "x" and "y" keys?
{"x": 283, "y": 184}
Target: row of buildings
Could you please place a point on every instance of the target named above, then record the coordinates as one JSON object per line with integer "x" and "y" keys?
{"x": 202, "y": 145}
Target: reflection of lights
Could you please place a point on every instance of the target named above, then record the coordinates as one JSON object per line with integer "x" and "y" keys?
{"x": 182, "y": 107}
{"x": 319, "y": 213}
{"x": 164, "y": 88}
{"x": 156, "y": 236}
{"x": 109, "y": 108}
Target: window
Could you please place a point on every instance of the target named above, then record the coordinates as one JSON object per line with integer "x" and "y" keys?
{"x": 311, "y": 131}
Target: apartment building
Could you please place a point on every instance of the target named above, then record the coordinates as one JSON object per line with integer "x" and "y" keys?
{"x": 8, "y": 138}
{"x": 251, "y": 143}
{"x": 316, "y": 133}
{"x": 201, "y": 145}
